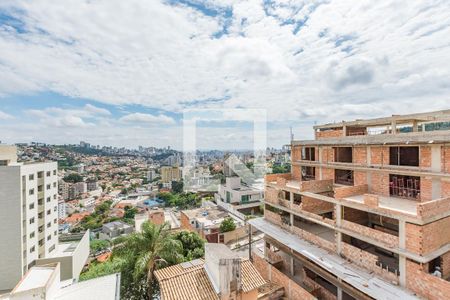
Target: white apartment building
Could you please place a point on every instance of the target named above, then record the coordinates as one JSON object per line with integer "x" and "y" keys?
{"x": 28, "y": 215}
{"x": 235, "y": 197}
{"x": 62, "y": 209}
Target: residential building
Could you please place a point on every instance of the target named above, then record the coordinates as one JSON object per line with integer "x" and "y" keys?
{"x": 169, "y": 174}
{"x": 29, "y": 220}
{"x": 91, "y": 184}
{"x": 63, "y": 189}
{"x": 151, "y": 174}
{"x": 222, "y": 275}
{"x": 115, "y": 229}
{"x": 44, "y": 282}
{"x": 61, "y": 209}
{"x": 206, "y": 222}
{"x": 237, "y": 198}
{"x": 365, "y": 211}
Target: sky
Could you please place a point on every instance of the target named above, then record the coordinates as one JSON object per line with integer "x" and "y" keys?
{"x": 124, "y": 73}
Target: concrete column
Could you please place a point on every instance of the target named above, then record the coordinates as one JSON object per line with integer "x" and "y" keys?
{"x": 394, "y": 127}
{"x": 402, "y": 245}
{"x": 291, "y": 219}
{"x": 339, "y": 293}
{"x": 415, "y": 126}
{"x": 344, "y": 130}
{"x": 291, "y": 197}
{"x": 292, "y": 267}
{"x": 338, "y": 224}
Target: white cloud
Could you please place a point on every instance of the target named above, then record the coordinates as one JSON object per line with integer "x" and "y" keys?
{"x": 147, "y": 118}
{"x": 5, "y": 116}
{"x": 303, "y": 61}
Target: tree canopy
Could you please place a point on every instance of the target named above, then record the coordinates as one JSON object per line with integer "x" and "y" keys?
{"x": 227, "y": 225}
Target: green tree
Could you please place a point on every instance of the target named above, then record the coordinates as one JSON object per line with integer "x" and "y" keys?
{"x": 97, "y": 245}
{"x": 193, "y": 244}
{"x": 73, "y": 177}
{"x": 177, "y": 186}
{"x": 130, "y": 212}
{"x": 143, "y": 252}
{"x": 227, "y": 225}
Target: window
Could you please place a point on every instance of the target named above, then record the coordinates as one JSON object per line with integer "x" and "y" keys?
{"x": 228, "y": 197}
{"x": 40, "y": 201}
{"x": 49, "y": 224}
{"x": 31, "y": 192}
{"x": 54, "y": 184}
{"x": 40, "y": 188}
{"x": 40, "y": 174}
{"x": 41, "y": 228}
{"x": 32, "y": 249}
{"x": 49, "y": 199}
{"x": 49, "y": 211}
{"x": 48, "y": 173}
{"x": 32, "y": 235}
{"x": 308, "y": 153}
{"x": 31, "y": 177}
{"x": 54, "y": 196}
{"x": 41, "y": 242}
{"x": 51, "y": 248}
{"x": 49, "y": 237}
{"x": 32, "y": 220}
{"x": 404, "y": 186}
{"x": 55, "y": 208}
{"x": 344, "y": 177}
{"x": 245, "y": 198}
{"x": 54, "y": 221}
{"x": 31, "y": 206}
{"x": 54, "y": 172}
{"x": 343, "y": 154}
{"x": 40, "y": 215}
{"x": 404, "y": 156}
{"x": 49, "y": 186}
{"x": 55, "y": 232}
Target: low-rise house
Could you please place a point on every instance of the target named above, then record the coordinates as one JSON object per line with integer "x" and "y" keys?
{"x": 115, "y": 229}
{"x": 222, "y": 275}
{"x": 206, "y": 221}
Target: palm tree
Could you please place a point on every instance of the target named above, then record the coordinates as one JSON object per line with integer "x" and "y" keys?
{"x": 147, "y": 250}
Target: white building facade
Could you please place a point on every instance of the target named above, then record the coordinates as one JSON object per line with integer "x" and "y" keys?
{"x": 29, "y": 214}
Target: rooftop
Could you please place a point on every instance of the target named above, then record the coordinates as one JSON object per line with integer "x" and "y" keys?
{"x": 191, "y": 281}
{"x": 333, "y": 263}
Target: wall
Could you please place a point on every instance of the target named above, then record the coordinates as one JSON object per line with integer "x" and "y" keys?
{"x": 445, "y": 159}
{"x": 428, "y": 286}
{"x": 292, "y": 290}
{"x": 360, "y": 155}
{"x": 315, "y": 206}
{"x": 359, "y": 177}
{"x": 10, "y": 222}
{"x": 379, "y": 155}
{"x": 379, "y": 184}
{"x": 329, "y": 134}
{"x": 347, "y": 191}
{"x": 386, "y": 238}
{"x": 184, "y": 222}
{"x": 425, "y": 239}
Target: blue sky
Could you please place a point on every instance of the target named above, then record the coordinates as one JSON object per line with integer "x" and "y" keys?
{"x": 123, "y": 73}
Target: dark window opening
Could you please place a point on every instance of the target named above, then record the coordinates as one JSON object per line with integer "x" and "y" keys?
{"x": 321, "y": 281}
{"x": 433, "y": 264}
{"x": 308, "y": 173}
{"x": 404, "y": 156}
{"x": 344, "y": 177}
{"x": 343, "y": 154}
{"x": 297, "y": 199}
{"x": 404, "y": 186}
{"x": 308, "y": 153}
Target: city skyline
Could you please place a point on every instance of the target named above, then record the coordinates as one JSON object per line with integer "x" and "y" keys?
{"x": 88, "y": 71}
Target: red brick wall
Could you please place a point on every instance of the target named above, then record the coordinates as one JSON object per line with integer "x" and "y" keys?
{"x": 360, "y": 177}
{"x": 425, "y": 285}
{"x": 445, "y": 159}
{"x": 296, "y": 153}
{"x": 184, "y": 222}
{"x": 425, "y": 157}
{"x": 379, "y": 155}
{"x": 427, "y": 238}
{"x": 388, "y": 239}
{"x": 425, "y": 188}
{"x": 360, "y": 155}
{"x": 432, "y": 208}
{"x": 156, "y": 217}
{"x": 316, "y": 206}
{"x": 327, "y": 173}
{"x": 380, "y": 184}
{"x": 271, "y": 274}
{"x": 271, "y": 195}
{"x": 329, "y": 134}
{"x": 445, "y": 188}
{"x": 346, "y": 191}
{"x": 445, "y": 265}
{"x": 296, "y": 172}
{"x": 327, "y": 154}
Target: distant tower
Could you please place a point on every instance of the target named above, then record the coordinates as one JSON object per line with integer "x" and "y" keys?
{"x": 292, "y": 134}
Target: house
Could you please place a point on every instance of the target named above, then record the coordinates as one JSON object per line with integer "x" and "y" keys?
{"x": 115, "y": 229}
{"x": 222, "y": 275}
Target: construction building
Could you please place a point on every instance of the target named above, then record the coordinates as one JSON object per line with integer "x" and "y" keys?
{"x": 169, "y": 174}
{"x": 365, "y": 211}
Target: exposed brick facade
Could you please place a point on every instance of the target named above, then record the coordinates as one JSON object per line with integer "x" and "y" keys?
{"x": 360, "y": 155}
{"x": 428, "y": 286}
{"x": 425, "y": 157}
{"x": 329, "y": 134}
{"x": 380, "y": 184}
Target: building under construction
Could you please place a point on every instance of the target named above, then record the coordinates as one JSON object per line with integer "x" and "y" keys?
{"x": 365, "y": 211}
